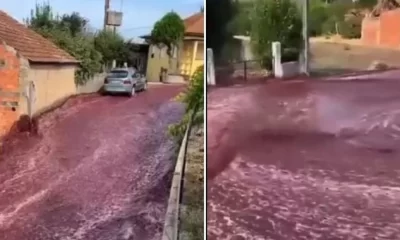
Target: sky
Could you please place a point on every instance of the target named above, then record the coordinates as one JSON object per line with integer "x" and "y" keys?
{"x": 138, "y": 19}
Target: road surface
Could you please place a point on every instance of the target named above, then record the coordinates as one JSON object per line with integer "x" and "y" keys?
{"x": 305, "y": 160}
{"x": 100, "y": 170}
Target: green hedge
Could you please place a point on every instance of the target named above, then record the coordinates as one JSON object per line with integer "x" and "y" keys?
{"x": 193, "y": 98}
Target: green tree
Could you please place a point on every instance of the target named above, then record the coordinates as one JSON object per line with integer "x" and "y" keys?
{"x": 336, "y": 15}
{"x": 79, "y": 47}
{"x": 366, "y": 4}
{"x": 112, "y": 46}
{"x": 74, "y": 22}
{"x": 168, "y": 31}
{"x": 277, "y": 20}
{"x": 42, "y": 17}
{"x": 318, "y": 15}
{"x": 219, "y": 13}
{"x": 67, "y": 33}
{"x": 193, "y": 99}
{"x": 194, "y": 95}
{"x": 241, "y": 22}
{"x": 342, "y": 17}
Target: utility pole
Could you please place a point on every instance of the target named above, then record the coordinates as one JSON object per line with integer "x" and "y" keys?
{"x": 306, "y": 37}
{"x": 106, "y": 8}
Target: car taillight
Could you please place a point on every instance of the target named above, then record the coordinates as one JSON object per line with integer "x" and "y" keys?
{"x": 105, "y": 80}
{"x": 127, "y": 82}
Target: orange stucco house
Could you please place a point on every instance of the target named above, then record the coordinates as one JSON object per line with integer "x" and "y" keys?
{"x": 186, "y": 59}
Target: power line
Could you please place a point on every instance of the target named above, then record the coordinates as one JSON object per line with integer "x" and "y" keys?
{"x": 135, "y": 28}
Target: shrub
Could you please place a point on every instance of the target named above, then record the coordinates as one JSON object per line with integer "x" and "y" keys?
{"x": 329, "y": 27}
{"x": 275, "y": 21}
{"x": 351, "y": 28}
{"x": 79, "y": 47}
{"x": 112, "y": 46}
{"x": 288, "y": 55}
{"x": 241, "y": 22}
{"x": 193, "y": 98}
{"x": 219, "y": 14}
{"x": 168, "y": 31}
{"x": 318, "y": 15}
{"x": 67, "y": 32}
{"x": 194, "y": 95}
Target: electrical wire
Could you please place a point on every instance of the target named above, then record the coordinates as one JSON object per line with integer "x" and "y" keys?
{"x": 135, "y": 28}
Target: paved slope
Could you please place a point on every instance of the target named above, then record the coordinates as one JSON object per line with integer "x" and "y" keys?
{"x": 101, "y": 170}
{"x": 305, "y": 160}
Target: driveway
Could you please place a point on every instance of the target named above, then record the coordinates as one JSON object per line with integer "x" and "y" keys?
{"x": 100, "y": 170}
{"x": 305, "y": 160}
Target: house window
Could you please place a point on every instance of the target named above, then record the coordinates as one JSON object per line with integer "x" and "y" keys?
{"x": 200, "y": 51}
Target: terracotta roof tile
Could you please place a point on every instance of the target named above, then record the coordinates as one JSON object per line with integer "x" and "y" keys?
{"x": 195, "y": 24}
{"x": 30, "y": 44}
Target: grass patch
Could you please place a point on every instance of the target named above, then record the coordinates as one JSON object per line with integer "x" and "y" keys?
{"x": 192, "y": 214}
{"x": 341, "y": 58}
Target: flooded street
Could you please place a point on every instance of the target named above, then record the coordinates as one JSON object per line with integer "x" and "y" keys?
{"x": 305, "y": 160}
{"x": 100, "y": 170}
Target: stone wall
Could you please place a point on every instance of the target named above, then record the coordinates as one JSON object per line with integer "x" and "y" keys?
{"x": 382, "y": 31}
{"x": 93, "y": 85}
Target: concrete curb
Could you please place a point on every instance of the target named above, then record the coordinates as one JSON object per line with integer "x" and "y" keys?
{"x": 171, "y": 224}
{"x": 360, "y": 75}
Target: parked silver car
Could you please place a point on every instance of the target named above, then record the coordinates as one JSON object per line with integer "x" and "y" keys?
{"x": 124, "y": 80}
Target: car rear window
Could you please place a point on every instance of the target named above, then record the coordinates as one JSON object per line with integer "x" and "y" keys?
{"x": 118, "y": 74}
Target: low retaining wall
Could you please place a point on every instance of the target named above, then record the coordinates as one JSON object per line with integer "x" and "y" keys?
{"x": 287, "y": 70}
{"x": 171, "y": 224}
{"x": 173, "y": 78}
{"x": 93, "y": 85}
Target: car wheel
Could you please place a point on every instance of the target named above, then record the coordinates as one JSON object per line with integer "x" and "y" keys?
{"x": 133, "y": 92}
{"x": 102, "y": 91}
